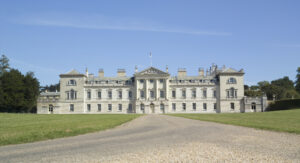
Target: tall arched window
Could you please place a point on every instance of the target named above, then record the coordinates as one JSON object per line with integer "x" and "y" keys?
{"x": 73, "y": 94}
{"x": 231, "y": 80}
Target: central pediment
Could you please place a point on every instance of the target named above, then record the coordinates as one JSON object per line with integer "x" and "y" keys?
{"x": 152, "y": 71}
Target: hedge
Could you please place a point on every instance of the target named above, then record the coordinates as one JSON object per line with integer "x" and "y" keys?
{"x": 284, "y": 105}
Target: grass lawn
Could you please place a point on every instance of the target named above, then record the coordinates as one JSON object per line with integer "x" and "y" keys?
{"x": 284, "y": 121}
{"x": 23, "y": 128}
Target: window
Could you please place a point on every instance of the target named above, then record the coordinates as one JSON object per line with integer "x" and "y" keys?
{"x": 232, "y": 106}
{"x": 204, "y": 106}
{"x": 72, "y": 82}
{"x": 253, "y": 106}
{"x": 231, "y": 93}
{"x": 130, "y": 94}
{"x": 51, "y": 108}
{"x": 72, "y": 95}
{"x": 151, "y": 80}
{"x": 173, "y": 106}
{"x": 204, "y": 93}
{"x": 174, "y": 94}
{"x": 88, "y": 107}
{"x": 142, "y": 95}
{"x": 130, "y": 108}
{"x": 99, "y": 94}
{"x": 194, "y": 106}
{"x": 162, "y": 107}
{"x": 161, "y": 80}
{"x": 231, "y": 81}
{"x": 215, "y": 94}
{"x": 183, "y": 93}
{"x": 109, "y": 107}
{"x": 215, "y": 106}
{"x": 151, "y": 94}
{"x": 183, "y": 106}
{"x": 109, "y": 94}
{"x": 142, "y": 107}
{"x": 99, "y": 107}
{"x": 120, "y": 94}
{"x": 162, "y": 94}
{"x": 89, "y": 94}
{"x": 120, "y": 107}
{"x": 194, "y": 93}
{"x": 141, "y": 81}
{"x": 71, "y": 107}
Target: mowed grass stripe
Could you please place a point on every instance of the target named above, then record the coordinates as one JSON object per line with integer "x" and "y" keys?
{"x": 24, "y": 128}
{"x": 283, "y": 121}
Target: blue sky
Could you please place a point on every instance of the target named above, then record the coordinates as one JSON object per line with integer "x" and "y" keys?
{"x": 55, "y": 36}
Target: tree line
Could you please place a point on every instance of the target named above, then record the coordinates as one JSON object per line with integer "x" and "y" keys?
{"x": 18, "y": 92}
{"x": 279, "y": 89}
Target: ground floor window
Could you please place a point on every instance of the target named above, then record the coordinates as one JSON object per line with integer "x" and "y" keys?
{"x": 215, "y": 106}
{"x": 50, "y": 108}
{"x": 204, "y": 106}
{"x": 142, "y": 107}
{"x": 88, "y": 107}
{"x": 173, "y": 106}
{"x": 232, "y": 106}
{"x": 109, "y": 107}
{"x": 130, "y": 108}
{"x": 120, "y": 107}
{"x": 183, "y": 106}
{"x": 99, "y": 107}
{"x": 71, "y": 107}
{"x": 162, "y": 107}
{"x": 194, "y": 106}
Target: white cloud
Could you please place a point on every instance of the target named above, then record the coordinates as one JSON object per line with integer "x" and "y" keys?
{"x": 99, "y": 22}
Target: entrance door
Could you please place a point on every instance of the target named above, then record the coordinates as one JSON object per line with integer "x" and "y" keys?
{"x": 152, "y": 110}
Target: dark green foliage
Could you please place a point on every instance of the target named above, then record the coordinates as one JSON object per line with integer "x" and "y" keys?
{"x": 284, "y": 104}
{"x": 4, "y": 66}
{"x": 18, "y": 93}
{"x": 297, "y": 87}
{"x": 51, "y": 88}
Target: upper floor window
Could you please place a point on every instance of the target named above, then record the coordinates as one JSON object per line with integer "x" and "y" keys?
{"x": 109, "y": 94}
{"x": 71, "y": 82}
{"x": 231, "y": 93}
{"x": 130, "y": 94}
{"x": 151, "y": 94}
{"x": 231, "y": 80}
{"x": 215, "y": 94}
{"x": 151, "y": 80}
{"x": 120, "y": 94}
{"x": 142, "y": 95}
{"x": 99, "y": 94}
{"x": 194, "y": 93}
{"x": 142, "y": 81}
{"x": 161, "y": 80}
{"x": 89, "y": 94}
{"x": 204, "y": 94}
{"x": 183, "y": 93}
{"x": 71, "y": 95}
{"x": 174, "y": 94}
{"x": 162, "y": 94}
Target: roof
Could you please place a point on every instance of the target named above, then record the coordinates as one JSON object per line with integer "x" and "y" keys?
{"x": 50, "y": 94}
{"x": 151, "y": 71}
{"x": 72, "y": 73}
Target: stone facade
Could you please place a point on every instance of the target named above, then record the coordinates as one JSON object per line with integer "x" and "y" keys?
{"x": 150, "y": 91}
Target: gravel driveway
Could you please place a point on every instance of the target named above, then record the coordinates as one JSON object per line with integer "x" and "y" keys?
{"x": 161, "y": 138}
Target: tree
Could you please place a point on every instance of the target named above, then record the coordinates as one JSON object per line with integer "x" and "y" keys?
{"x": 51, "y": 88}
{"x": 4, "y": 66}
{"x": 297, "y": 87}
{"x": 31, "y": 91}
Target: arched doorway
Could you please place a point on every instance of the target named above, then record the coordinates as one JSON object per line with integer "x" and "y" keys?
{"x": 51, "y": 108}
{"x": 152, "y": 109}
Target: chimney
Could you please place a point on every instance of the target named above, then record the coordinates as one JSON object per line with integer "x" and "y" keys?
{"x": 201, "y": 72}
{"x": 91, "y": 75}
{"x": 136, "y": 69}
{"x": 121, "y": 73}
{"x": 101, "y": 73}
{"x": 86, "y": 72}
{"x": 181, "y": 72}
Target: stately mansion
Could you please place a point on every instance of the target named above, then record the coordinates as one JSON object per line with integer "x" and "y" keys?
{"x": 216, "y": 90}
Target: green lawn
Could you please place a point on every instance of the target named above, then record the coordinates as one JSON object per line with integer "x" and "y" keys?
{"x": 284, "y": 121}
{"x": 23, "y": 128}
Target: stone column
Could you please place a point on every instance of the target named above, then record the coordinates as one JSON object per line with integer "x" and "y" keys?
{"x": 156, "y": 89}
{"x": 146, "y": 89}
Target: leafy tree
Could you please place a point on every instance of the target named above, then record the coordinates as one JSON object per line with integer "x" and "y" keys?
{"x": 284, "y": 82}
{"x": 298, "y": 80}
{"x": 4, "y": 66}
{"x": 31, "y": 91}
{"x": 51, "y": 88}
